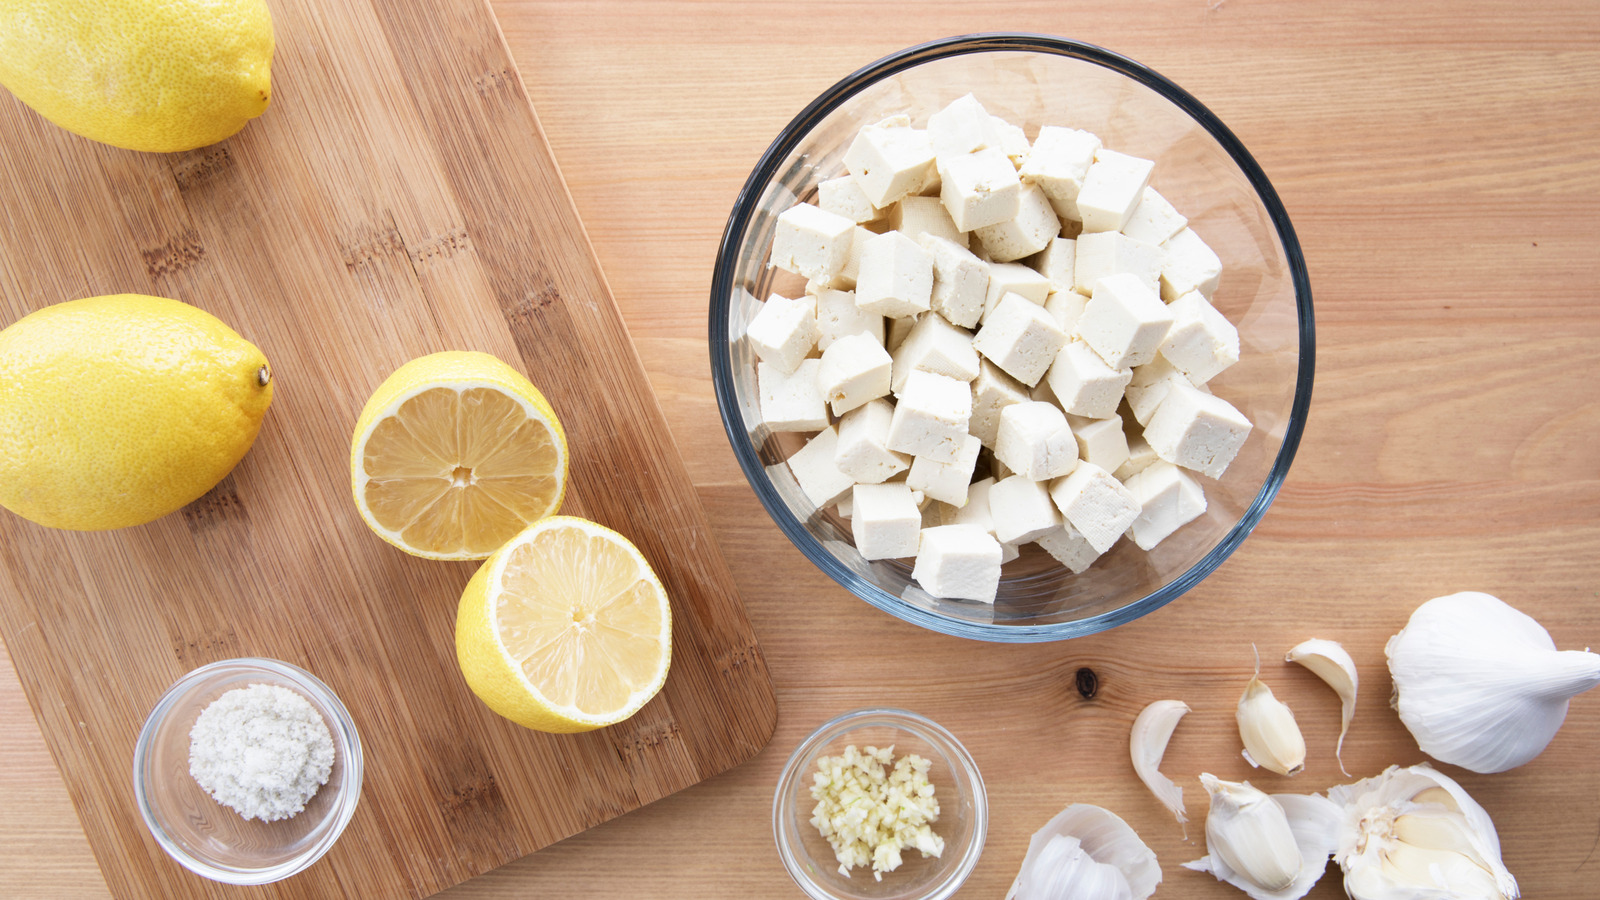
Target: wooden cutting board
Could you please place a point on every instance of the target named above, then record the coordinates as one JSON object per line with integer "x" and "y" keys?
{"x": 398, "y": 198}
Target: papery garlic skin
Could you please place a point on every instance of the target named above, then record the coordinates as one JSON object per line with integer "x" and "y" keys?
{"x": 1415, "y": 834}
{"x": 1271, "y": 737}
{"x": 1481, "y": 685}
{"x": 1271, "y": 847}
{"x": 1053, "y": 861}
{"x": 1329, "y": 661}
{"x": 1147, "y": 744}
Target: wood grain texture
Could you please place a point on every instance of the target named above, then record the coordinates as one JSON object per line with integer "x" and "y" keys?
{"x": 1438, "y": 161}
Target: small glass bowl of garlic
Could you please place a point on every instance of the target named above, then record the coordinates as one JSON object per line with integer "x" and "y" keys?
{"x": 837, "y": 762}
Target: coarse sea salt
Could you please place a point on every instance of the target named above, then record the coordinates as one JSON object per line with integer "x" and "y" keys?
{"x": 261, "y": 750}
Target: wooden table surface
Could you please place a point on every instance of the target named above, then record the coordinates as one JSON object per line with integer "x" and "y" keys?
{"x": 1441, "y": 162}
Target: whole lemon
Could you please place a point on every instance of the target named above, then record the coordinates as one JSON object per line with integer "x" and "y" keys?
{"x": 156, "y": 75}
{"x": 118, "y": 410}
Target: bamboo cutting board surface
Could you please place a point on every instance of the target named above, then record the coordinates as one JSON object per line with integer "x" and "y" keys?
{"x": 399, "y": 198}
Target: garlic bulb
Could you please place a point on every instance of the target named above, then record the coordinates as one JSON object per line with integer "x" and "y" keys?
{"x": 1481, "y": 685}
{"x": 1148, "y": 743}
{"x": 1086, "y": 851}
{"x": 1414, "y": 834}
{"x": 1272, "y": 740}
{"x": 1329, "y": 661}
{"x": 1271, "y": 847}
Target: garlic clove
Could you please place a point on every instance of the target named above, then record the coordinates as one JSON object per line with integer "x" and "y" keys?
{"x": 1073, "y": 852}
{"x": 1271, "y": 847}
{"x": 1148, "y": 743}
{"x": 1272, "y": 739}
{"x": 1329, "y": 661}
{"x": 1482, "y": 685}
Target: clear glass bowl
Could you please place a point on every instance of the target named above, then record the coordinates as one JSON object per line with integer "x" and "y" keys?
{"x": 1033, "y": 80}
{"x": 963, "y": 810}
{"x": 213, "y": 840}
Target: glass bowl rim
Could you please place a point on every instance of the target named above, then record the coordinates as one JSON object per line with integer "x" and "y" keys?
{"x": 345, "y": 736}
{"x": 962, "y": 764}
{"x": 722, "y": 287}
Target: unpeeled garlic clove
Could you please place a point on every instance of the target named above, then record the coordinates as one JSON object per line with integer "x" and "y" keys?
{"x": 1272, "y": 847}
{"x": 1271, "y": 738}
{"x": 1147, "y": 743}
{"x": 1329, "y": 661}
{"x": 1086, "y": 851}
{"x": 1481, "y": 685}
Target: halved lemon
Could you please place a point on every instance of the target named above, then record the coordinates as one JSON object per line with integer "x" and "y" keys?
{"x": 454, "y": 454}
{"x": 566, "y": 628}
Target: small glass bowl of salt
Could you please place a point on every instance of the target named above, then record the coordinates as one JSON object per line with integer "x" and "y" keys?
{"x": 247, "y": 770}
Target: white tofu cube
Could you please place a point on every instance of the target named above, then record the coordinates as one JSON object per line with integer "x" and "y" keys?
{"x": 1149, "y": 386}
{"x": 1154, "y": 219}
{"x": 1058, "y": 163}
{"x": 1202, "y": 342}
{"x": 979, "y": 188}
{"x": 1067, "y": 306}
{"x": 1022, "y": 510}
{"x": 1168, "y": 500}
{"x": 811, "y": 242}
{"x": 1140, "y": 456}
{"x": 960, "y": 280}
{"x": 885, "y": 520}
{"x": 846, "y": 279}
{"x": 819, "y": 479}
{"x": 1096, "y": 504}
{"x": 958, "y": 562}
{"x": 1113, "y": 186}
{"x": 962, "y": 127}
{"x": 1100, "y": 441}
{"x": 1014, "y": 278}
{"x": 791, "y": 401}
{"x": 1069, "y": 547}
{"x": 863, "y": 452}
{"x": 1057, "y": 262}
{"x": 896, "y": 277}
{"x": 784, "y": 331}
{"x": 992, "y": 391}
{"x": 932, "y": 416}
{"x": 838, "y": 315}
{"x": 854, "y": 370}
{"x": 890, "y": 159}
{"x": 1035, "y": 441}
{"x": 918, "y": 216}
{"x": 843, "y": 196}
{"x": 1026, "y": 233}
{"x": 1083, "y": 383}
{"x": 897, "y": 330}
{"x": 934, "y": 345}
{"x": 1124, "y": 321}
{"x": 976, "y": 510}
{"x": 1104, "y": 253}
{"x": 1197, "y": 430}
{"x": 947, "y": 482}
{"x": 1189, "y": 264}
{"x": 1013, "y": 140}
{"x": 1021, "y": 338}
{"x": 843, "y": 506}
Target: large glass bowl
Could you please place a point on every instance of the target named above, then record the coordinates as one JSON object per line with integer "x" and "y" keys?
{"x": 1200, "y": 167}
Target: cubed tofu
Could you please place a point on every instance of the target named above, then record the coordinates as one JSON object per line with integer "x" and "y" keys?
{"x": 934, "y": 345}
{"x": 1149, "y": 386}
{"x": 1113, "y": 186}
{"x": 1069, "y": 547}
{"x": 885, "y": 520}
{"x": 1101, "y": 441}
{"x": 1140, "y": 456}
{"x": 783, "y": 331}
{"x": 890, "y": 159}
{"x": 947, "y": 482}
{"x": 1058, "y": 163}
{"x": 958, "y": 562}
{"x": 1197, "y": 430}
{"x": 1124, "y": 321}
{"x": 1021, "y": 338}
{"x": 838, "y": 315}
{"x": 843, "y": 196}
{"x": 976, "y": 510}
{"x": 917, "y": 216}
{"x": 1084, "y": 384}
{"x": 1103, "y": 253}
{"x": 979, "y": 188}
{"x": 1014, "y": 278}
{"x": 1067, "y": 306}
{"x": 812, "y": 465}
{"x": 1189, "y": 264}
{"x": 962, "y": 127}
{"x": 1201, "y": 342}
{"x": 1057, "y": 262}
{"x": 791, "y": 401}
{"x": 931, "y": 417}
{"x": 895, "y": 331}
{"x": 811, "y": 242}
{"x": 992, "y": 391}
{"x": 863, "y": 450}
{"x": 960, "y": 281}
{"x": 1154, "y": 219}
{"x": 1022, "y": 510}
{"x": 854, "y": 370}
{"x": 1013, "y": 140}
{"x": 1095, "y": 503}
{"x": 1035, "y": 441}
{"x": 896, "y": 277}
{"x": 1024, "y": 234}
{"x": 1168, "y": 500}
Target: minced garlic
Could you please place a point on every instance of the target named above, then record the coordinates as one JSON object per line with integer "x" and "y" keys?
{"x": 869, "y": 814}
